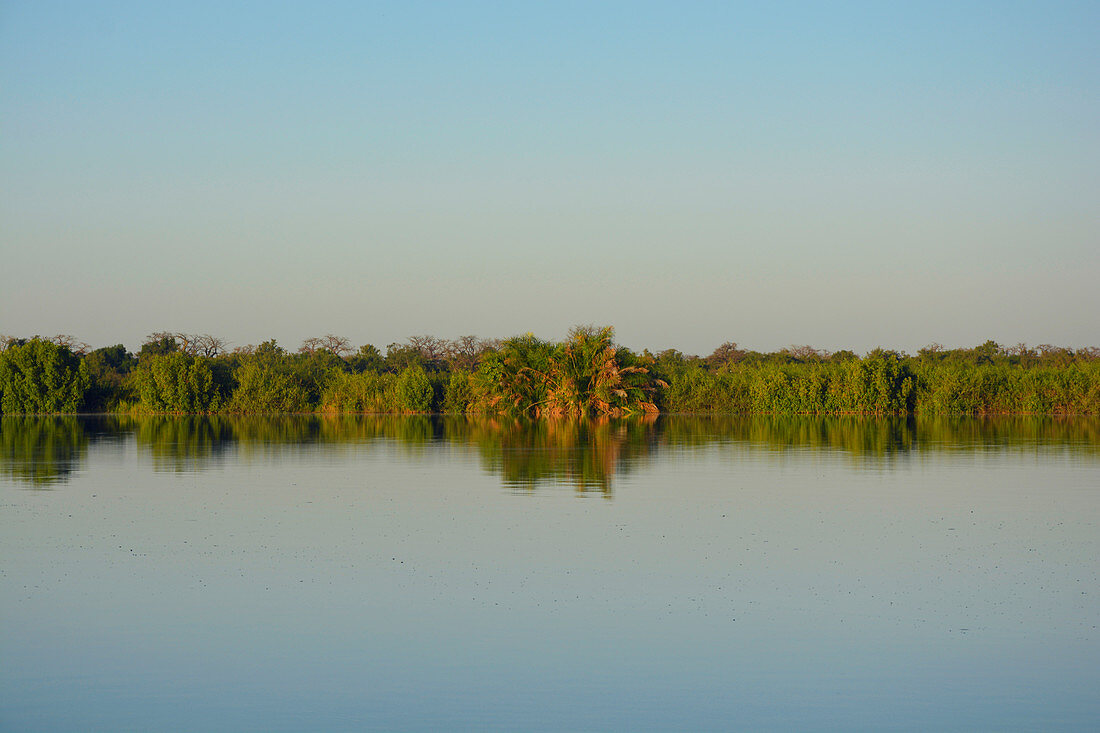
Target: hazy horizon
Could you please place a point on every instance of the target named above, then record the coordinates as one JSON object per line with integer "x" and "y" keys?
{"x": 845, "y": 176}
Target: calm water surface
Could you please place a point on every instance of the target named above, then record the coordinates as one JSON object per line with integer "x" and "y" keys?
{"x": 435, "y": 574}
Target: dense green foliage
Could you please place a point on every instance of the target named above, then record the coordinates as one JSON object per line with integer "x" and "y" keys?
{"x": 266, "y": 388}
{"x": 879, "y": 384}
{"x": 416, "y": 390}
{"x": 885, "y": 384}
{"x": 39, "y": 376}
{"x": 108, "y": 369}
{"x": 987, "y": 389}
{"x": 177, "y": 382}
{"x": 587, "y": 374}
{"x": 513, "y": 378}
{"x": 367, "y": 392}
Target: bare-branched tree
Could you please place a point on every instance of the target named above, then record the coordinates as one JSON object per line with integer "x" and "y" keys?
{"x": 429, "y": 347}
{"x": 329, "y": 342}
{"x": 727, "y": 353}
{"x": 192, "y": 344}
{"x": 336, "y": 344}
{"x": 208, "y": 345}
{"x": 931, "y": 352}
{"x": 464, "y": 351}
{"x": 311, "y": 346}
{"x": 805, "y": 353}
{"x": 74, "y": 344}
{"x": 187, "y": 342}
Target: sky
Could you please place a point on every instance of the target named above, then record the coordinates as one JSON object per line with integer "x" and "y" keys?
{"x": 845, "y": 175}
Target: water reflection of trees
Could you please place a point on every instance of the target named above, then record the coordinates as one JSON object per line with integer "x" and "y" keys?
{"x": 883, "y": 438}
{"x": 587, "y": 455}
{"x": 858, "y": 436}
{"x": 41, "y": 451}
{"x": 184, "y": 443}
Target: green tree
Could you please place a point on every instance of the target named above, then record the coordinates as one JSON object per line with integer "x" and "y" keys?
{"x": 264, "y": 386}
{"x": 727, "y": 353}
{"x": 415, "y": 389}
{"x": 108, "y": 369}
{"x": 367, "y": 359}
{"x": 38, "y": 376}
{"x": 400, "y": 357}
{"x": 515, "y": 377}
{"x": 589, "y": 375}
{"x": 158, "y": 344}
{"x": 459, "y": 392}
{"x": 177, "y": 382}
{"x": 889, "y": 383}
{"x": 987, "y": 352}
{"x": 314, "y": 371}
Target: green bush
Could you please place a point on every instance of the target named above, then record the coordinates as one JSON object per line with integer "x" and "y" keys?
{"x": 365, "y": 392}
{"x": 176, "y": 382}
{"x": 880, "y": 384}
{"x": 960, "y": 388}
{"x": 415, "y": 389}
{"x": 39, "y": 376}
{"x": 266, "y": 388}
{"x": 108, "y": 369}
{"x": 459, "y": 394}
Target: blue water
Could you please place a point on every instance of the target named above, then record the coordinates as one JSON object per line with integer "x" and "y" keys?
{"x": 194, "y": 577}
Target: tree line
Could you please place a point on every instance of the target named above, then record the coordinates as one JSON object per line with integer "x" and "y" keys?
{"x": 585, "y": 374}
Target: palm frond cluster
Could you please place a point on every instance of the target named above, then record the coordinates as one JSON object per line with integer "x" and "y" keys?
{"x": 585, "y": 375}
{"x": 591, "y": 376}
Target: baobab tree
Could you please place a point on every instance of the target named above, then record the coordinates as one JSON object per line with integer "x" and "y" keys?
{"x": 72, "y": 343}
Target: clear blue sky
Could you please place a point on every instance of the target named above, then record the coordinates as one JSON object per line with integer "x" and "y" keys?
{"x": 841, "y": 174}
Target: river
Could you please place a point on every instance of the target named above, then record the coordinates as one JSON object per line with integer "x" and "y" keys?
{"x": 361, "y": 573}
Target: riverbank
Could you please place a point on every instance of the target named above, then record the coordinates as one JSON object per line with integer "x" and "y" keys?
{"x": 585, "y": 375}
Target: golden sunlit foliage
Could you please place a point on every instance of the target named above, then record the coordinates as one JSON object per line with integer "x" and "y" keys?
{"x": 585, "y": 375}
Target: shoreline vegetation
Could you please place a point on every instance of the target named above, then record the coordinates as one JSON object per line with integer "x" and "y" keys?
{"x": 584, "y": 375}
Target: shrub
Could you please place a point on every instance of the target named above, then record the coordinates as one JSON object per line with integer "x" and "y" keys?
{"x": 265, "y": 387}
{"x": 459, "y": 393}
{"x": 366, "y": 392}
{"x": 177, "y": 382}
{"x": 39, "y": 376}
{"x": 415, "y": 390}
